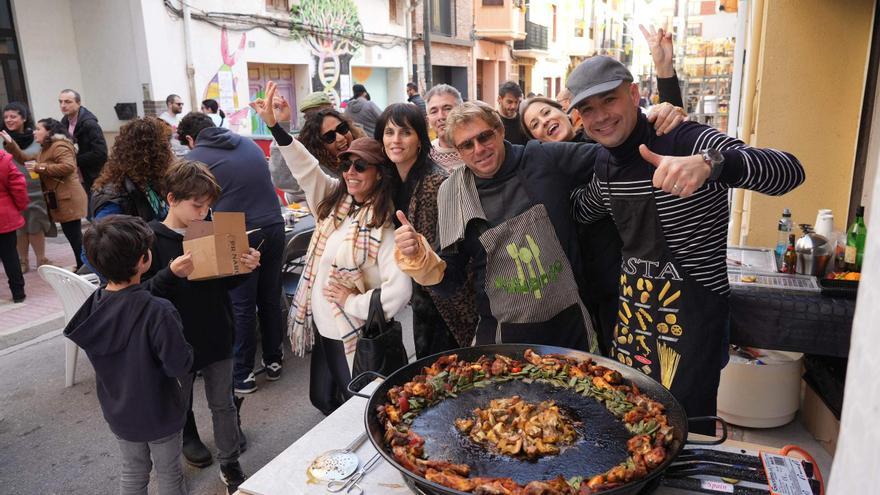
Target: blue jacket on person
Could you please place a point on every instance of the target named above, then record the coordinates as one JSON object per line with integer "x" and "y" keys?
{"x": 243, "y": 174}
{"x": 136, "y": 345}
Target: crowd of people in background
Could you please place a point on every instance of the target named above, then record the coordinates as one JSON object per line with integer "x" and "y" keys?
{"x": 435, "y": 202}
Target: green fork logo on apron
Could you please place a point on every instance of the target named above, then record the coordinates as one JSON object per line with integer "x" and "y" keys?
{"x": 531, "y": 273}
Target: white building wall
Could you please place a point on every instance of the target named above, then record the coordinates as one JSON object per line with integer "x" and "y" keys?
{"x": 48, "y": 53}
{"x": 105, "y": 43}
{"x": 165, "y": 54}
{"x": 86, "y": 45}
{"x": 115, "y": 51}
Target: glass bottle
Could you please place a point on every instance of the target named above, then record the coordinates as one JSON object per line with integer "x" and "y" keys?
{"x": 855, "y": 242}
{"x": 789, "y": 264}
{"x": 784, "y": 229}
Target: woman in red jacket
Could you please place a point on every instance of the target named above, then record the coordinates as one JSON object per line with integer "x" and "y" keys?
{"x": 13, "y": 200}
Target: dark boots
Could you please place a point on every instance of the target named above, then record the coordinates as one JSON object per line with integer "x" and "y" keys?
{"x": 194, "y": 451}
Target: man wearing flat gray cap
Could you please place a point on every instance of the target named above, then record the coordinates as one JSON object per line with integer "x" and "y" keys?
{"x": 668, "y": 198}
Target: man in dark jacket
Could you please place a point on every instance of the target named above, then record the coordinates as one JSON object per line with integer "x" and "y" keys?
{"x": 506, "y": 214}
{"x": 361, "y": 110}
{"x": 413, "y": 96}
{"x": 241, "y": 170}
{"x": 83, "y": 126}
{"x": 509, "y": 97}
{"x": 136, "y": 345}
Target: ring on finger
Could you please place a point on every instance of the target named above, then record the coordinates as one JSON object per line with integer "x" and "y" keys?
{"x": 676, "y": 187}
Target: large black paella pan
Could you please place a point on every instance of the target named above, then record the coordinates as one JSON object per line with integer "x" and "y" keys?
{"x": 601, "y": 437}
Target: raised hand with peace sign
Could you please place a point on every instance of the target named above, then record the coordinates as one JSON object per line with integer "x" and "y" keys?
{"x": 660, "y": 43}
{"x": 272, "y": 108}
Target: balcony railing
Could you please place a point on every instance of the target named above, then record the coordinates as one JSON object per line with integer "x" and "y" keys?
{"x": 536, "y": 38}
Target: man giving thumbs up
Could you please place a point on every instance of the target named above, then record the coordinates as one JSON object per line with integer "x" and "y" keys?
{"x": 668, "y": 198}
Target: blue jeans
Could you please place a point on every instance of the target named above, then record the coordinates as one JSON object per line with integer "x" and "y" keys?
{"x": 259, "y": 296}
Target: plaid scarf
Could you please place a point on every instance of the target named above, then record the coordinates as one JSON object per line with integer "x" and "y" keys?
{"x": 357, "y": 251}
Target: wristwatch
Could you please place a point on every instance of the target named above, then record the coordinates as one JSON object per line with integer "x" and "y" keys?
{"x": 715, "y": 160}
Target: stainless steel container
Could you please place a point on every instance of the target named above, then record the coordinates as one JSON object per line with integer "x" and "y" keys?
{"x": 813, "y": 254}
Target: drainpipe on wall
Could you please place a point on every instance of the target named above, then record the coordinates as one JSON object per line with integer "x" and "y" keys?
{"x": 187, "y": 42}
{"x": 413, "y": 75}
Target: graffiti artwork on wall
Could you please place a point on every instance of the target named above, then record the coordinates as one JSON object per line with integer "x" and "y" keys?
{"x": 222, "y": 86}
{"x": 333, "y": 30}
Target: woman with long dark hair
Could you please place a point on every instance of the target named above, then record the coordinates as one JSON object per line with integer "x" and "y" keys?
{"x": 438, "y": 323}
{"x": 56, "y": 165}
{"x": 325, "y": 134}
{"x": 350, "y": 255}
{"x": 19, "y": 125}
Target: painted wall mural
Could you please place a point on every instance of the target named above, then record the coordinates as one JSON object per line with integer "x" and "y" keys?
{"x": 222, "y": 86}
{"x": 333, "y": 31}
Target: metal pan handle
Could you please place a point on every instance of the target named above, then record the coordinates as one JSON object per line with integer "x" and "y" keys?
{"x": 373, "y": 375}
{"x": 714, "y": 419}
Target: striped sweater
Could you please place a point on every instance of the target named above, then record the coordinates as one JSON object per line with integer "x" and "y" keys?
{"x": 696, "y": 227}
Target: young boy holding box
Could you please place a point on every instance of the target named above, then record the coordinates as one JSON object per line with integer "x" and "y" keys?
{"x": 205, "y": 307}
{"x": 136, "y": 345}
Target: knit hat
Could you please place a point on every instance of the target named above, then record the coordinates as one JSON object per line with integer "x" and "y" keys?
{"x": 595, "y": 75}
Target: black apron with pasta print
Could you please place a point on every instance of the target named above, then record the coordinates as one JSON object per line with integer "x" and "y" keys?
{"x": 669, "y": 325}
{"x": 531, "y": 287}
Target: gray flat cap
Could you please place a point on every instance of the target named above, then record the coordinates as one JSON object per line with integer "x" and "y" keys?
{"x": 595, "y": 75}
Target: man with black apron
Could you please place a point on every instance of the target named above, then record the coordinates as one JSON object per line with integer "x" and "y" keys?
{"x": 667, "y": 196}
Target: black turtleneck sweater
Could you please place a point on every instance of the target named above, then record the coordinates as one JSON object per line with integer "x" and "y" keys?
{"x": 513, "y": 132}
{"x": 695, "y": 227}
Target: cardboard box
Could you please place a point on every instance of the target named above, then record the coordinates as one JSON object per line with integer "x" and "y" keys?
{"x": 217, "y": 245}
{"x": 819, "y": 420}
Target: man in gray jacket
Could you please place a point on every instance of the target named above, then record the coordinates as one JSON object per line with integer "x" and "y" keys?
{"x": 361, "y": 110}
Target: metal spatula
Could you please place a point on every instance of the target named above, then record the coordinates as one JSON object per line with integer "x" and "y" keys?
{"x": 337, "y": 464}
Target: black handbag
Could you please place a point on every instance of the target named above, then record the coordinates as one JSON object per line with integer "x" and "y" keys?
{"x": 380, "y": 343}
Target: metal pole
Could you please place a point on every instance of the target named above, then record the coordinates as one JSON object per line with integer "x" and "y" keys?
{"x": 426, "y": 41}
{"x": 190, "y": 70}
{"x": 408, "y": 13}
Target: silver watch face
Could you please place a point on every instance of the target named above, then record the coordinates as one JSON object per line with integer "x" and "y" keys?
{"x": 714, "y": 156}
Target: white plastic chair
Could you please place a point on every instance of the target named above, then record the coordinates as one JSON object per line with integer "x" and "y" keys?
{"x": 73, "y": 290}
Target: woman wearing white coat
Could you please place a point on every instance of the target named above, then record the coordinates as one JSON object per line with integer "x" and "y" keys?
{"x": 351, "y": 254}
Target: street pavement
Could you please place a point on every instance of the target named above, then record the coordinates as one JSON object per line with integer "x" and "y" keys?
{"x": 42, "y": 310}
{"x": 54, "y": 440}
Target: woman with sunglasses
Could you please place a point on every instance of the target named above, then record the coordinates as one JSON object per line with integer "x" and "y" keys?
{"x": 326, "y": 134}
{"x": 438, "y": 323}
{"x": 351, "y": 254}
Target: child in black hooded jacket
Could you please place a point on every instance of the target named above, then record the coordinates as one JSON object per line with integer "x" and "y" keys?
{"x": 135, "y": 343}
{"x": 206, "y": 310}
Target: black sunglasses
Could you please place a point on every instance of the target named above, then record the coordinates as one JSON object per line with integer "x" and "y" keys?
{"x": 330, "y": 136}
{"x": 360, "y": 166}
{"x": 483, "y": 138}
